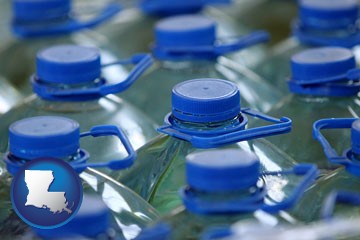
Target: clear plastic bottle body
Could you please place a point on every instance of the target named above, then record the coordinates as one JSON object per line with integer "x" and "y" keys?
{"x": 309, "y": 207}
{"x": 107, "y": 110}
{"x": 187, "y": 225}
{"x": 304, "y": 110}
{"x": 275, "y": 67}
{"x": 130, "y": 32}
{"x": 279, "y": 14}
{"x": 152, "y": 92}
{"x": 9, "y": 95}
{"x": 5, "y": 19}
{"x": 161, "y": 163}
{"x": 129, "y": 212}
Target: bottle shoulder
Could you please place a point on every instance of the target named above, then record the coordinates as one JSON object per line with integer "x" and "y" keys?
{"x": 114, "y": 192}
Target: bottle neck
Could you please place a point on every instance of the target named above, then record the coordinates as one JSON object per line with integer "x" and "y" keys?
{"x": 224, "y": 201}
{"x": 71, "y": 86}
{"x": 194, "y": 65}
{"x": 328, "y": 28}
{"x": 69, "y": 159}
{"x": 208, "y": 126}
{"x": 43, "y": 22}
{"x": 64, "y": 106}
{"x": 332, "y": 33}
{"x": 56, "y": 91}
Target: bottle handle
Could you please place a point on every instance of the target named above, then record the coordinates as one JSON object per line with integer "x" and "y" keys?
{"x": 334, "y": 197}
{"x": 219, "y": 49}
{"x": 116, "y": 164}
{"x": 243, "y": 42}
{"x": 70, "y": 25}
{"x": 310, "y": 173}
{"x": 142, "y": 63}
{"x": 282, "y": 125}
{"x": 331, "y": 123}
{"x": 352, "y": 74}
{"x": 329, "y": 89}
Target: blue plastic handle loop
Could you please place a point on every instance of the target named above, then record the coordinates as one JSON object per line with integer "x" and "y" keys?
{"x": 219, "y": 48}
{"x": 346, "y": 197}
{"x": 142, "y": 61}
{"x": 110, "y": 130}
{"x": 243, "y": 42}
{"x": 200, "y": 206}
{"x": 282, "y": 125}
{"x": 68, "y": 26}
{"x": 334, "y": 89}
{"x": 333, "y": 123}
{"x": 352, "y": 74}
{"x": 306, "y": 37}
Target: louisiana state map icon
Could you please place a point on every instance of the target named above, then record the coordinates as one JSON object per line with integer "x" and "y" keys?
{"x": 46, "y": 193}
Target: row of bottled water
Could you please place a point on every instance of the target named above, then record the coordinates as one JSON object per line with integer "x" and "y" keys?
{"x": 182, "y": 119}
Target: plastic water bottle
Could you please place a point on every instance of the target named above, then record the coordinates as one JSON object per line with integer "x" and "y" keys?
{"x": 36, "y": 137}
{"x": 226, "y": 186}
{"x": 346, "y": 178}
{"x": 319, "y": 23}
{"x": 324, "y": 83}
{"x": 205, "y": 114}
{"x": 186, "y": 48}
{"x": 68, "y": 82}
{"x": 41, "y": 23}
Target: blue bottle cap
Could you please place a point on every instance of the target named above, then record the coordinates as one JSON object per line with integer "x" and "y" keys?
{"x": 91, "y": 220}
{"x": 355, "y": 137}
{"x": 45, "y": 136}
{"x": 166, "y": 7}
{"x": 328, "y": 14}
{"x": 321, "y": 63}
{"x": 205, "y": 100}
{"x": 68, "y": 64}
{"x": 185, "y": 31}
{"x": 40, "y": 10}
{"x": 222, "y": 170}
